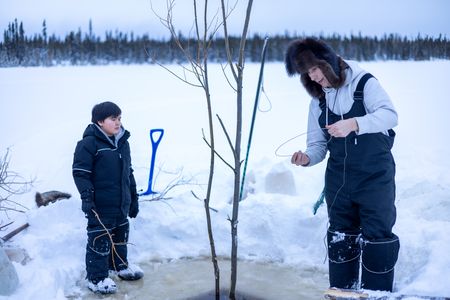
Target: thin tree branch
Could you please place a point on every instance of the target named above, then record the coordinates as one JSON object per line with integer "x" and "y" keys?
{"x": 221, "y": 158}
{"x": 226, "y": 134}
{"x": 178, "y": 76}
{"x": 11, "y": 184}
{"x": 227, "y": 42}
{"x": 226, "y": 77}
{"x": 203, "y": 200}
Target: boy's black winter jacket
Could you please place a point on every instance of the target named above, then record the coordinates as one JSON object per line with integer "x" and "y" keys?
{"x": 103, "y": 166}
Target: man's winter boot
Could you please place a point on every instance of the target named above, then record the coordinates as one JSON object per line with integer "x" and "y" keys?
{"x": 102, "y": 286}
{"x": 378, "y": 261}
{"x": 343, "y": 259}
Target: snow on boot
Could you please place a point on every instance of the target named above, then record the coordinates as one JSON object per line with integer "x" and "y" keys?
{"x": 343, "y": 259}
{"x": 378, "y": 261}
{"x": 105, "y": 286}
{"x": 132, "y": 272}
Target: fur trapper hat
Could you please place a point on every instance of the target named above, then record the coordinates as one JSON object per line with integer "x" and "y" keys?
{"x": 302, "y": 55}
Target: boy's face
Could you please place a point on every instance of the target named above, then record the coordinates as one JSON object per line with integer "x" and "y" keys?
{"x": 111, "y": 125}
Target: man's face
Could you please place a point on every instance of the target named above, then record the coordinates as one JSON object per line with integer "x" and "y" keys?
{"x": 316, "y": 74}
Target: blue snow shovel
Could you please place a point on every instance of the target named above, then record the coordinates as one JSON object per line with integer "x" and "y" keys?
{"x": 155, "y": 143}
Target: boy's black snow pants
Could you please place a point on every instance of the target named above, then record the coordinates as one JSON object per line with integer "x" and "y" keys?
{"x": 106, "y": 249}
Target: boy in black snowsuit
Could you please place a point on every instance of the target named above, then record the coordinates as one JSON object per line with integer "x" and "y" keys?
{"x": 103, "y": 175}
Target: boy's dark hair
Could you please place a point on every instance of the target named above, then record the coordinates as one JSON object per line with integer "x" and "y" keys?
{"x": 104, "y": 110}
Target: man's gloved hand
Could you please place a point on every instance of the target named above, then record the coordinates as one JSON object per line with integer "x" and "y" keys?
{"x": 134, "y": 206}
{"x": 87, "y": 202}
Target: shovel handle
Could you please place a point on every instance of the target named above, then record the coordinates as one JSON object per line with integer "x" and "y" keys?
{"x": 156, "y": 136}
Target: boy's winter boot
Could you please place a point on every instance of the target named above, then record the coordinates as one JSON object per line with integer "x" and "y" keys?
{"x": 378, "y": 261}
{"x": 132, "y": 272}
{"x": 102, "y": 286}
{"x": 343, "y": 259}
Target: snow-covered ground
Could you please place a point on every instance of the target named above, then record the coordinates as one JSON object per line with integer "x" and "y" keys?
{"x": 43, "y": 112}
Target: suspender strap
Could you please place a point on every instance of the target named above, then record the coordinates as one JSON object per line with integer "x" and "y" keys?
{"x": 358, "y": 95}
{"x": 322, "y": 103}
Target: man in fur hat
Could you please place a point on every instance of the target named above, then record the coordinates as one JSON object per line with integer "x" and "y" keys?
{"x": 356, "y": 128}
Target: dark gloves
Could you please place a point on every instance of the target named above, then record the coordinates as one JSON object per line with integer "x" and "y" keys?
{"x": 87, "y": 202}
{"x": 134, "y": 206}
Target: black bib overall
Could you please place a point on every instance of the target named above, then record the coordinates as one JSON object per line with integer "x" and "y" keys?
{"x": 360, "y": 196}
{"x": 359, "y": 179}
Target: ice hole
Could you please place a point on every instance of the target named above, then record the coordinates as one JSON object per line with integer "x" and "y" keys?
{"x": 194, "y": 279}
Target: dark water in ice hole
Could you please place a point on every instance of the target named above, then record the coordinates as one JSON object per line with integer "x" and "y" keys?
{"x": 194, "y": 280}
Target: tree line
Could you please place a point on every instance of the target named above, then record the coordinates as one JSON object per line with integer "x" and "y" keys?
{"x": 79, "y": 48}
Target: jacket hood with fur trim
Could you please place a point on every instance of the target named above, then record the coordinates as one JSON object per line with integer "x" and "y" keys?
{"x": 302, "y": 55}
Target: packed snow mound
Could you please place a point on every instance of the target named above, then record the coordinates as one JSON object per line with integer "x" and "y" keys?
{"x": 280, "y": 180}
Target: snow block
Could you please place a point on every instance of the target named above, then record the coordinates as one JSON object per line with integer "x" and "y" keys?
{"x": 18, "y": 255}
{"x": 280, "y": 180}
{"x": 8, "y": 274}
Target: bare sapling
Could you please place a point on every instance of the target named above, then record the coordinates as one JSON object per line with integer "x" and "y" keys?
{"x": 197, "y": 66}
{"x": 12, "y": 184}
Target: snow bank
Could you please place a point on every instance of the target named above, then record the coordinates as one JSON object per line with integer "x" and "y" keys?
{"x": 45, "y": 110}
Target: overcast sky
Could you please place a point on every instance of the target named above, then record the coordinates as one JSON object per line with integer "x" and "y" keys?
{"x": 370, "y": 17}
